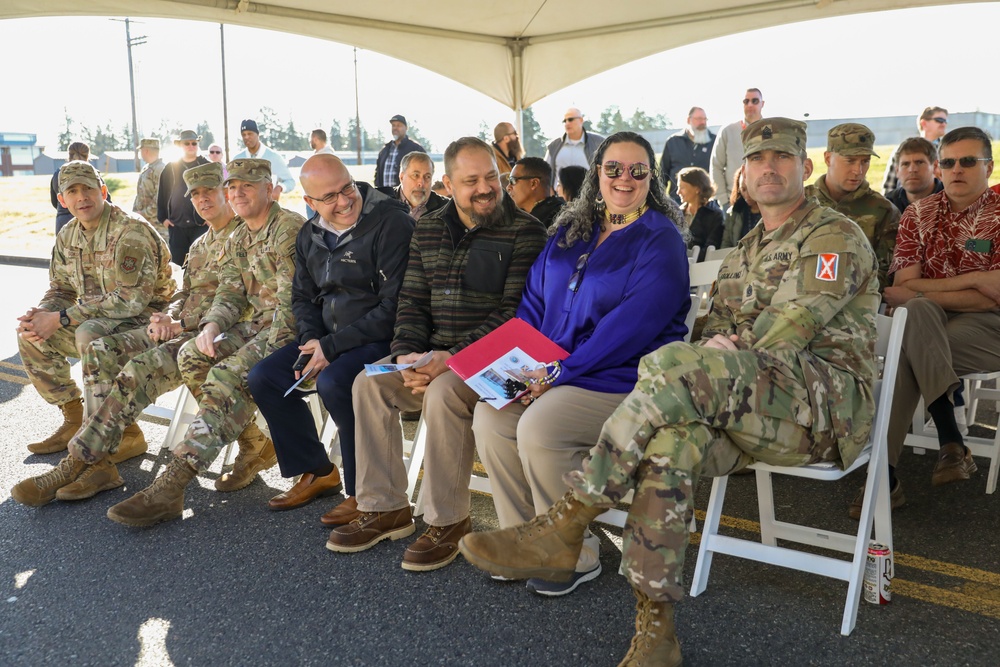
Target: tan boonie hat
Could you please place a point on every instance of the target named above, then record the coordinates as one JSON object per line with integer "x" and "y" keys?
{"x": 81, "y": 172}
{"x": 203, "y": 176}
{"x": 149, "y": 143}
{"x": 251, "y": 170}
{"x": 775, "y": 134}
{"x": 851, "y": 139}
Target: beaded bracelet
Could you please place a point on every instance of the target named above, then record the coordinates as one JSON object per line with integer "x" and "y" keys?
{"x": 552, "y": 375}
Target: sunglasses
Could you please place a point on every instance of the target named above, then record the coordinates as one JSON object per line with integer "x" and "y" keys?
{"x": 752, "y": 100}
{"x": 637, "y": 170}
{"x": 967, "y": 162}
{"x": 190, "y": 143}
{"x": 577, "y": 277}
{"x": 511, "y": 180}
{"x": 215, "y": 152}
{"x": 334, "y": 197}
{"x": 572, "y": 118}
{"x": 938, "y": 119}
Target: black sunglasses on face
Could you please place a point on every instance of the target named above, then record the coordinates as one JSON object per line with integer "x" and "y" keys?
{"x": 967, "y": 162}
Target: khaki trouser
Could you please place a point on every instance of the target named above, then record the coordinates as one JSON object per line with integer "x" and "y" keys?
{"x": 938, "y": 346}
{"x": 527, "y": 450}
{"x": 447, "y": 413}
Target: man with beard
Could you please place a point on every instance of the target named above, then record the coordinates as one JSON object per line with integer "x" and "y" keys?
{"x": 416, "y": 173}
{"x": 467, "y": 268}
{"x": 506, "y": 147}
{"x": 392, "y": 154}
{"x": 691, "y": 147}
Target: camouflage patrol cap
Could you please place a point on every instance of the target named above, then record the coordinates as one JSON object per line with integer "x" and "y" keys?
{"x": 203, "y": 176}
{"x": 78, "y": 171}
{"x": 251, "y": 170}
{"x": 775, "y": 134}
{"x": 149, "y": 143}
{"x": 851, "y": 139}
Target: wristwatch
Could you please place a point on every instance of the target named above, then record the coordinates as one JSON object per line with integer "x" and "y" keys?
{"x": 64, "y": 318}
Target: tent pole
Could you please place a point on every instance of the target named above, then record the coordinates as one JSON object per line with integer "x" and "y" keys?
{"x": 517, "y": 48}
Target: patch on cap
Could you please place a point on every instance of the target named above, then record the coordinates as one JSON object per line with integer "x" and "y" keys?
{"x": 776, "y": 134}
{"x": 251, "y": 170}
{"x": 851, "y": 139}
{"x": 203, "y": 176}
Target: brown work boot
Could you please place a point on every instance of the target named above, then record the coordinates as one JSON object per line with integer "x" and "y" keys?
{"x": 342, "y": 514}
{"x": 133, "y": 444}
{"x": 547, "y": 547}
{"x": 72, "y": 421}
{"x": 37, "y": 491}
{"x": 896, "y": 500}
{"x": 160, "y": 501}
{"x": 369, "y": 529}
{"x": 97, "y": 477}
{"x": 256, "y": 454}
{"x": 954, "y": 464}
{"x": 437, "y": 547}
{"x": 655, "y": 641}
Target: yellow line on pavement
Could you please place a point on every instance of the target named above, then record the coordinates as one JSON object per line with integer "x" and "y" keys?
{"x": 949, "y": 569}
{"x": 18, "y": 379}
{"x": 13, "y": 367}
{"x": 947, "y": 598}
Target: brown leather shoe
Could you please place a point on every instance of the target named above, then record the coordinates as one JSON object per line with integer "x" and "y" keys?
{"x": 896, "y": 500}
{"x": 307, "y": 489}
{"x": 342, "y": 514}
{"x": 369, "y": 529}
{"x": 954, "y": 464}
{"x": 437, "y": 547}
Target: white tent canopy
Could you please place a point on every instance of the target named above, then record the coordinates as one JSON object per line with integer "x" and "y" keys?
{"x": 515, "y": 51}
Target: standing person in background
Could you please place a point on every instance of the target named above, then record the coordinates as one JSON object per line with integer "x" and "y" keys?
{"x": 932, "y": 123}
{"x": 506, "y": 147}
{"x": 257, "y": 150}
{"x": 148, "y": 184}
{"x": 728, "y": 153}
{"x": 174, "y": 209}
{"x": 575, "y": 147}
{"x": 691, "y": 147}
{"x": 704, "y": 217}
{"x": 389, "y": 158}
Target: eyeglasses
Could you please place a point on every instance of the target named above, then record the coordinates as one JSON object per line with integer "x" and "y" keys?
{"x": 215, "y": 152}
{"x": 511, "y": 134}
{"x": 577, "y": 277}
{"x": 967, "y": 162}
{"x": 511, "y": 179}
{"x": 614, "y": 169}
{"x": 190, "y": 143}
{"x": 572, "y": 118}
{"x": 938, "y": 119}
{"x": 334, "y": 197}
{"x": 751, "y": 100}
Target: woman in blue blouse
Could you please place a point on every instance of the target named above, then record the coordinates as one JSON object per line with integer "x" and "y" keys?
{"x": 610, "y": 286}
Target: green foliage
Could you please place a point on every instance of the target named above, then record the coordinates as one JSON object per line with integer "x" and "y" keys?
{"x": 414, "y": 134}
{"x": 66, "y": 136}
{"x": 335, "y": 136}
{"x": 532, "y": 139}
{"x": 103, "y": 139}
{"x": 114, "y": 184}
{"x": 613, "y": 121}
{"x": 207, "y": 138}
{"x": 485, "y": 133}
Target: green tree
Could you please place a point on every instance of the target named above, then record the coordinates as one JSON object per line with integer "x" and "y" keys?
{"x": 268, "y": 126}
{"x": 207, "y": 137}
{"x": 103, "y": 139}
{"x": 66, "y": 136}
{"x": 485, "y": 133}
{"x": 415, "y": 135}
{"x": 613, "y": 121}
{"x": 335, "y": 136}
{"x": 532, "y": 139}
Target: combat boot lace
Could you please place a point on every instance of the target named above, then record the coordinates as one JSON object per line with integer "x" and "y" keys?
{"x": 256, "y": 453}
{"x": 57, "y": 442}
{"x": 547, "y": 547}
{"x": 160, "y": 501}
{"x": 655, "y": 641}
{"x": 37, "y": 491}
{"x": 97, "y": 477}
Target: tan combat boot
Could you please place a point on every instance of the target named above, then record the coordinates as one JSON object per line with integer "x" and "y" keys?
{"x": 160, "y": 501}
{"x": 256, "y": 454}
{"x": 97, "y": 477}
{"x": 547, "y": 547}
{"x": 655, "y": 641}
{"x": 37, "y": 491}
{"x": 133, "y": 444}
{"x": 72, "y": 421}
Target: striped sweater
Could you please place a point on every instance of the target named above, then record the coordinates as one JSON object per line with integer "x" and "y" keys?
{"x": 454, "y": 293}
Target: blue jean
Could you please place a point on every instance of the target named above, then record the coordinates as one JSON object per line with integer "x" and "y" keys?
{"x": 293, "y": 430}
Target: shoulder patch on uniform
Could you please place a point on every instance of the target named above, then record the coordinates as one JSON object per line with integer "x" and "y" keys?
{"x": 826, "y": 267}
{"x": 129, "y": 263}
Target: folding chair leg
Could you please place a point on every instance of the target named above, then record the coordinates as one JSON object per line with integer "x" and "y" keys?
{"x": 765, "y": 505}
{"x": 416, "y": 458}
{"x": 713, "y": 514}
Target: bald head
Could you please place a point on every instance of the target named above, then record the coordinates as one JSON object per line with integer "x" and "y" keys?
{"x": 502, "y": 130}
{"x": 330, "y": 190}
{"x": 573, "y": 123}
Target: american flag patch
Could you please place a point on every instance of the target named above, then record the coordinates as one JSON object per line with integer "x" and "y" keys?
{"x": 826, "y": 268}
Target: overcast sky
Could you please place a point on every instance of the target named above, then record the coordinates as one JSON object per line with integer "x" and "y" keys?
{"x": 872, "y": 64}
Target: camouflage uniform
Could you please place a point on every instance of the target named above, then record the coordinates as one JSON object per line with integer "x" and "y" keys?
{"x": 128, "y": 371}
{"x": 145, "y": 194}
{"x": 111, "y": 282}
{"x": 797, "y": 390}
{"x": 876, "y": 215}
{"x": 253, "y": 307}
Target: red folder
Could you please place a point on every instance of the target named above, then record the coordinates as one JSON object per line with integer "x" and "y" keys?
{"x": 513, "y": 333}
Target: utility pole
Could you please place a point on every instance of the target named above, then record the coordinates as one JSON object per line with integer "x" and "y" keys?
{"x": 357, "y": 107}
{"x": 130, "y": 41}
{"x": 225, "y": 103}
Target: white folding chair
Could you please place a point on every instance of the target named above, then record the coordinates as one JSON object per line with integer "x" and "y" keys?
{"x": 717, "y": 253}
{"x": 180, "y": 416}
{"x": 875, "y": 511}
{"x": 702, "y": 276}
{"x": 693, "y": 252}
{"x": 988, "y": 448}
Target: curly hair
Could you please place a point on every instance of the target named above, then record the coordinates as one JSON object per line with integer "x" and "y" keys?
{"x": 580, "y": 215}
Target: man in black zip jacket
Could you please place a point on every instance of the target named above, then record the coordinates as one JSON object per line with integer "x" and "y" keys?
{"x": 349, "y": 264}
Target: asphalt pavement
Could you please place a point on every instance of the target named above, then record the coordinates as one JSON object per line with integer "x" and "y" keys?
{"x": 235, "y": 584}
